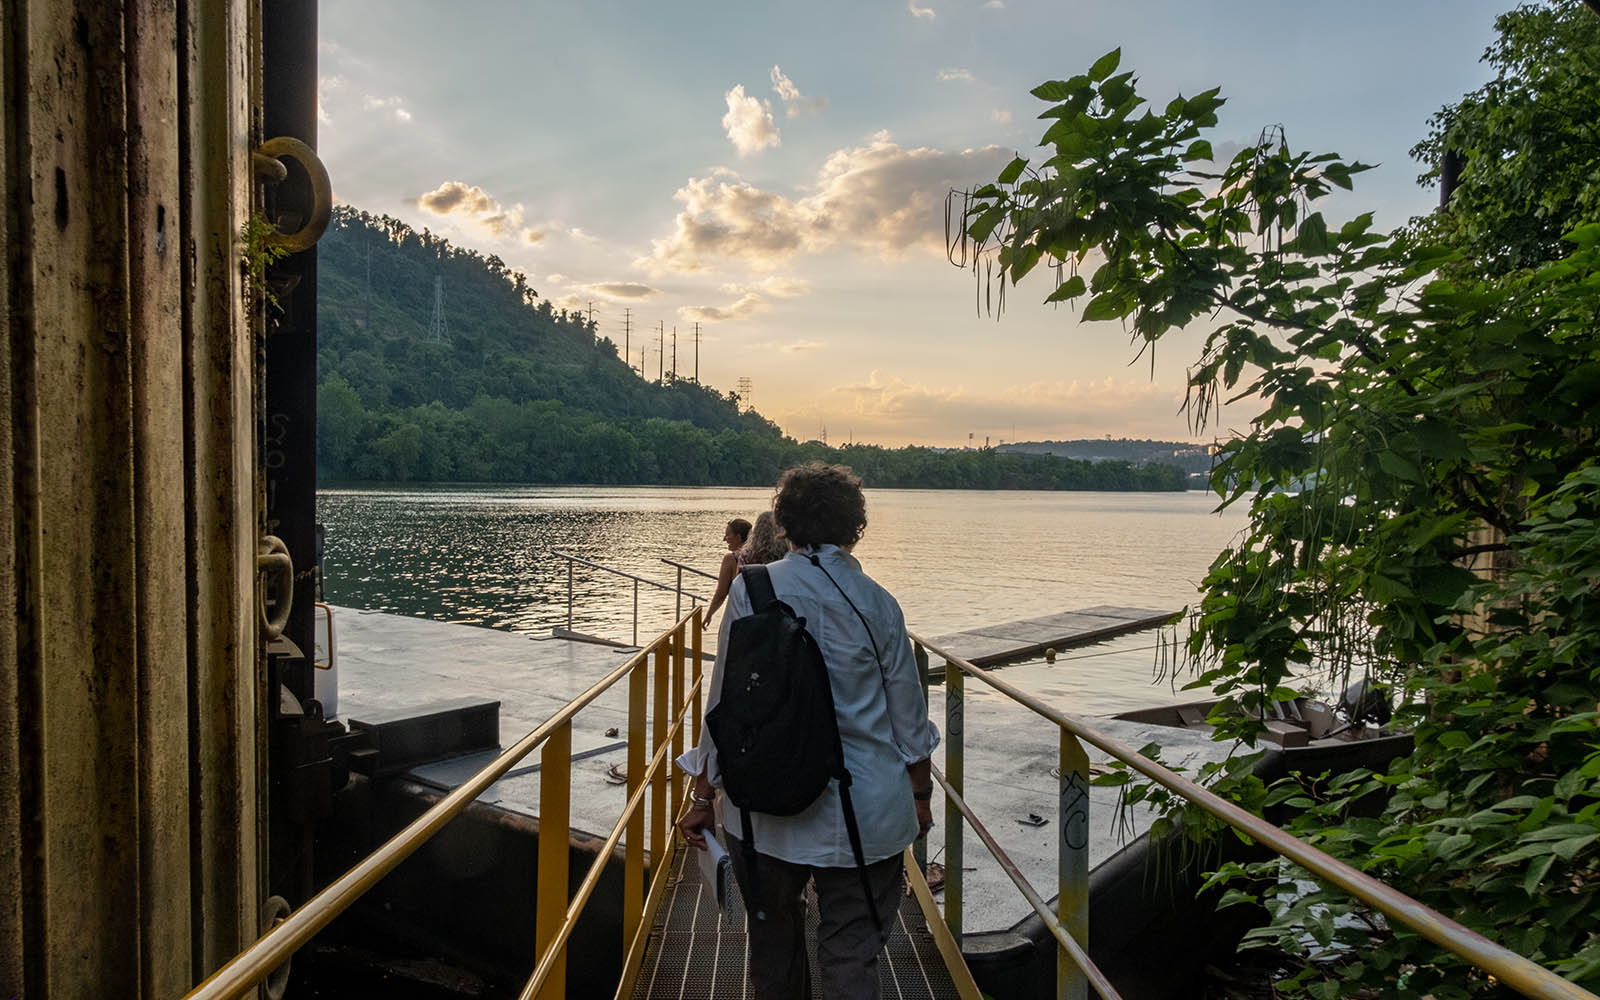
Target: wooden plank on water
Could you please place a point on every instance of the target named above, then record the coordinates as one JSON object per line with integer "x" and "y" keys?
{"x": 1010, "y": 641}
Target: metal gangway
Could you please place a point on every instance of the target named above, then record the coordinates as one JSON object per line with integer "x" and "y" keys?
{"x": 677, "y": 945}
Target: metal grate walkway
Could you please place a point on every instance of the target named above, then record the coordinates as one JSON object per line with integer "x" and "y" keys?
{"x": 696, "y": 954}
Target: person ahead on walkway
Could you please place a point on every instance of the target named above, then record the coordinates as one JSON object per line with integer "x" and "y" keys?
{"x": 766, "y": 543}
{"x": 887, "y": 740}
{"x": 734, "y": 536}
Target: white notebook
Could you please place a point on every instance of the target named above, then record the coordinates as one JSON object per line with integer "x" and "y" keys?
{"x": 717, "y": 869}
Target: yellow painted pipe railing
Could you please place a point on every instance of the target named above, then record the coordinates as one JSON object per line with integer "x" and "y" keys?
{"x": 1074, "y": 969}
{"x": 555, "y": 915}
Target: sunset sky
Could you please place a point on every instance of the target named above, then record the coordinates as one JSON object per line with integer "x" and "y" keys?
{"x": 777, "y": 172}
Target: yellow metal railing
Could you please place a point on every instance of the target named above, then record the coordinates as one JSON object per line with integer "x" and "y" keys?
{"x": 1070, "y": 924}
{"x": 555, "y": 914}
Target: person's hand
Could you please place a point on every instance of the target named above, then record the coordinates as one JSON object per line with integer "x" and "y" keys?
{"x": 694, "y": 822}
{"x": 924, "y": 817}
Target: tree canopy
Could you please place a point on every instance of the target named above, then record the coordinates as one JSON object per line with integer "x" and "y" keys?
{"x": 1420, "y": 473}
{"x": 517, "y": 391}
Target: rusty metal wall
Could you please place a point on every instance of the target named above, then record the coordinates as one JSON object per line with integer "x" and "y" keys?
{"x": 130, "y": 669}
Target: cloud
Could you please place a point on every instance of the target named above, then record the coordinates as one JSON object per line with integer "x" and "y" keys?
{"x": 964, "y": 75}
{"x": 470, "y": 204}
{"x": 394, "y": 105}
{"x": 752, "y": 298}
{"x": 326, "y": 85}
{"x": 774, "y": 287}
{"x": 794, "y": 102}
{"x": 623, "y": 289}
{"x": 1000, "y": 115}
{"x": 802, "y": 346}
{"x": 747, "y": 305}
{"x": 922, "y": 411}
{"x": 557, "y": 278}
{"x": 879, "y": 196}
{"x": 996, "y": 4}
{"x": 927, "y": 12}
{"x": 749, "y": 122}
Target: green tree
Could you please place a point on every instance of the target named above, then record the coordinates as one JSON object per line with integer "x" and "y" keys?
{"x": 1424, "y": 406}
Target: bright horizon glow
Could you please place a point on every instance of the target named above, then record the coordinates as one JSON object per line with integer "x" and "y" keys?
{"x": 778, "y": 175}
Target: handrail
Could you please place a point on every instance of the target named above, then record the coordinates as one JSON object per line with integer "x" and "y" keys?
{"x": 618, "y": 572}
{"x": 637, "y": 579}
{"x": 245, "y": 970}
{"x": 1521, "y": 974}
{"x": 580, "y": 899}
{"x": 697, "y": 572}
{"x": 1074, "y": 950}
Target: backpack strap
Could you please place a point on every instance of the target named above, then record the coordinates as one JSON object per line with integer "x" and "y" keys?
{"x": 758, "y": 587}
{"x": 850, "y": 824}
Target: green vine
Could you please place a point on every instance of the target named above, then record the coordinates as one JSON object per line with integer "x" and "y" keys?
{"x": 259, "y": 254}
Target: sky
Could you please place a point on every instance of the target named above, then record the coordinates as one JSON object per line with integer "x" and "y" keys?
{"x": 777, "y": 173}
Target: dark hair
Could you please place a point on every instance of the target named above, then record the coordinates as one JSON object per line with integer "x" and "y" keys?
{"x": 740, "y": 527}
{"x": 766, "y": 543}
{"x": 820, "y": 505}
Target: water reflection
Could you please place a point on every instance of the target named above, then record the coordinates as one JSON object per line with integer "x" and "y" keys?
{"x": 481, "y": 555}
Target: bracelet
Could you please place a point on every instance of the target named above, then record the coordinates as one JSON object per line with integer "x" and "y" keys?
{"x": 697, "y": 800}
{"x": 923, "y": 796}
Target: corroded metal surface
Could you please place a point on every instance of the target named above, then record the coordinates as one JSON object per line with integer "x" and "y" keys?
{"x": 128, "y": 748}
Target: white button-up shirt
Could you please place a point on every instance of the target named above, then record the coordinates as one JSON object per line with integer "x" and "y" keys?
{"x": 883, "y": 720}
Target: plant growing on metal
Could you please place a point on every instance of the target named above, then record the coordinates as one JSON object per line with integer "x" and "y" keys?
{"x": 1420, "y": 472}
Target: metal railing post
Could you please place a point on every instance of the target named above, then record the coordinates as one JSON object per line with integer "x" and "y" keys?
{"x": 677, "y": 709}
{"x": 633, "y": 862}
{"x": 658, "y": 782}
{"x": 555, "y": 807}
{"x": 569, "y": 599}
{"x": 698, "y": 632}
{"x": 1072, "y": 861}
{"x": 636, "y": 612}
{"x": 677, "y": 609}
{"x": 954, "y": 758}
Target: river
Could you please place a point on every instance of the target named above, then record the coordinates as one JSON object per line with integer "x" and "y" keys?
{"x": 481, "y": 555}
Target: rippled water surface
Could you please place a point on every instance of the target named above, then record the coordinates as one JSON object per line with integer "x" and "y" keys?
{"x": 955, "y": 559}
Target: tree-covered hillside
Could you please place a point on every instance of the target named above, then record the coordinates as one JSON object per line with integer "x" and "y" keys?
{"x": 516, "y": 391}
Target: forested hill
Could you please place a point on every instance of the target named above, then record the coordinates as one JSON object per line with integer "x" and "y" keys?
{"x": 512, "y": 390}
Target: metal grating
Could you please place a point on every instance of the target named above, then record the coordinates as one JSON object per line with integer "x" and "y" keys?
{"x": 694, "y": 954}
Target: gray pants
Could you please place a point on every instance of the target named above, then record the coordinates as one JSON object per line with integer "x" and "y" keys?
{"x": 847, "y": 943}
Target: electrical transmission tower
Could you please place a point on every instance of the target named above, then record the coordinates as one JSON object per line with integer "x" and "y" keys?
{"x": 697, "y": 354}
{"x": 743, "y": 388}
{"x": 627, "y": 331}
{"x": 439, "y": 329}
{"x": 674, "y": 352}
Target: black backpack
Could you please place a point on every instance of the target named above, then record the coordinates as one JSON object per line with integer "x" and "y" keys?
{"x": 775, "y": 728}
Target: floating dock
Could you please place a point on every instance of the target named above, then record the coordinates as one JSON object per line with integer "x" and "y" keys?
{"x": 1012, "y": 641}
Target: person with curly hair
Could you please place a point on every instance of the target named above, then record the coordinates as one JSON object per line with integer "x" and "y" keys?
{"x": 767, "y": 543}
{"x": 887, "y": 739}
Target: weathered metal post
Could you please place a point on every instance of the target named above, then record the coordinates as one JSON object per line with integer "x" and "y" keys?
{"x": 954, "y": 756}
{"x": 1072, "y": 872}
{"x": 633, "y": 843}
{"x": 555, "y": 807}
{"x": 569, "y": 598}
{"x": 677, "y": 607}
{"x": 636, "y": 611}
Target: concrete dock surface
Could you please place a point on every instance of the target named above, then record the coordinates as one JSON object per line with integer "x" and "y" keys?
{"x": 392, "y": 662}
